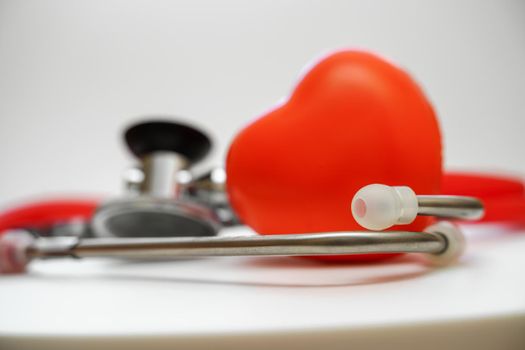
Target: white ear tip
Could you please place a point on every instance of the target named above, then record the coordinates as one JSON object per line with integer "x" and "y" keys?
{"x": 378, "y": 207}
{"x": 455, "y": 244}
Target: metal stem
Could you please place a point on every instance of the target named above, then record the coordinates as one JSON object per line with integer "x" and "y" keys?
{"x": 457, "y": 207}
{"x": 160, "y": 170}
{"x": 362, "y": 242}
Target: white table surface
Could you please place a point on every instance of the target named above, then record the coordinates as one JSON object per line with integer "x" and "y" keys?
{"x": 279, "y": 302}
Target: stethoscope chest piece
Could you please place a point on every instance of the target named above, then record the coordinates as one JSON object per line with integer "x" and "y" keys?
{"x": 158, "y": 208}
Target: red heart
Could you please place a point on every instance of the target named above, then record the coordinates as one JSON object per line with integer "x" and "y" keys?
{"x": 354, "y": 119}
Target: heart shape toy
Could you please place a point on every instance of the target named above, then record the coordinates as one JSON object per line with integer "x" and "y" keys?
{"x": 354, "y": 119}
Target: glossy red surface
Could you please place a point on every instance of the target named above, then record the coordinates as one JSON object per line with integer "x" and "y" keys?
{"x": 46, "y": 213}
{"x": 353, "y": 119}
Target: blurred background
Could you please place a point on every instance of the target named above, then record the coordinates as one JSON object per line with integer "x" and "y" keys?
{"x": 73, "y": 74}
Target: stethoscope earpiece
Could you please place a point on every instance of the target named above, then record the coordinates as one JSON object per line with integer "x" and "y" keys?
{"x": 455, "y": 244}
{"x": 378, "y": 207}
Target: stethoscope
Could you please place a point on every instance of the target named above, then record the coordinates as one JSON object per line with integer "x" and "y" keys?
{"x": 169, "y": 212}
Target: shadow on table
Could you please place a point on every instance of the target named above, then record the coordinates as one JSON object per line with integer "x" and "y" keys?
{"x": 274, "y": 272}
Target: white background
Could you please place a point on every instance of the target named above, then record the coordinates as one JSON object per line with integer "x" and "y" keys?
{"x": 74, "y": 73}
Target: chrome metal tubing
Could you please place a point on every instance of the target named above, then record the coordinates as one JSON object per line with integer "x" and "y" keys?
{"x": 160, "y": 170}
{"x": 456, "y": 207}
{"x": 362, "y": 242}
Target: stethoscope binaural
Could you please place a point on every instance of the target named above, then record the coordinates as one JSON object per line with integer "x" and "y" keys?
{"x": 168, "y": 212}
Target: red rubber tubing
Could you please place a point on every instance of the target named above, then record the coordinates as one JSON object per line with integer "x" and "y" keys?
{"x": 503, "y": 196}
{"x": 46, "y": 213}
